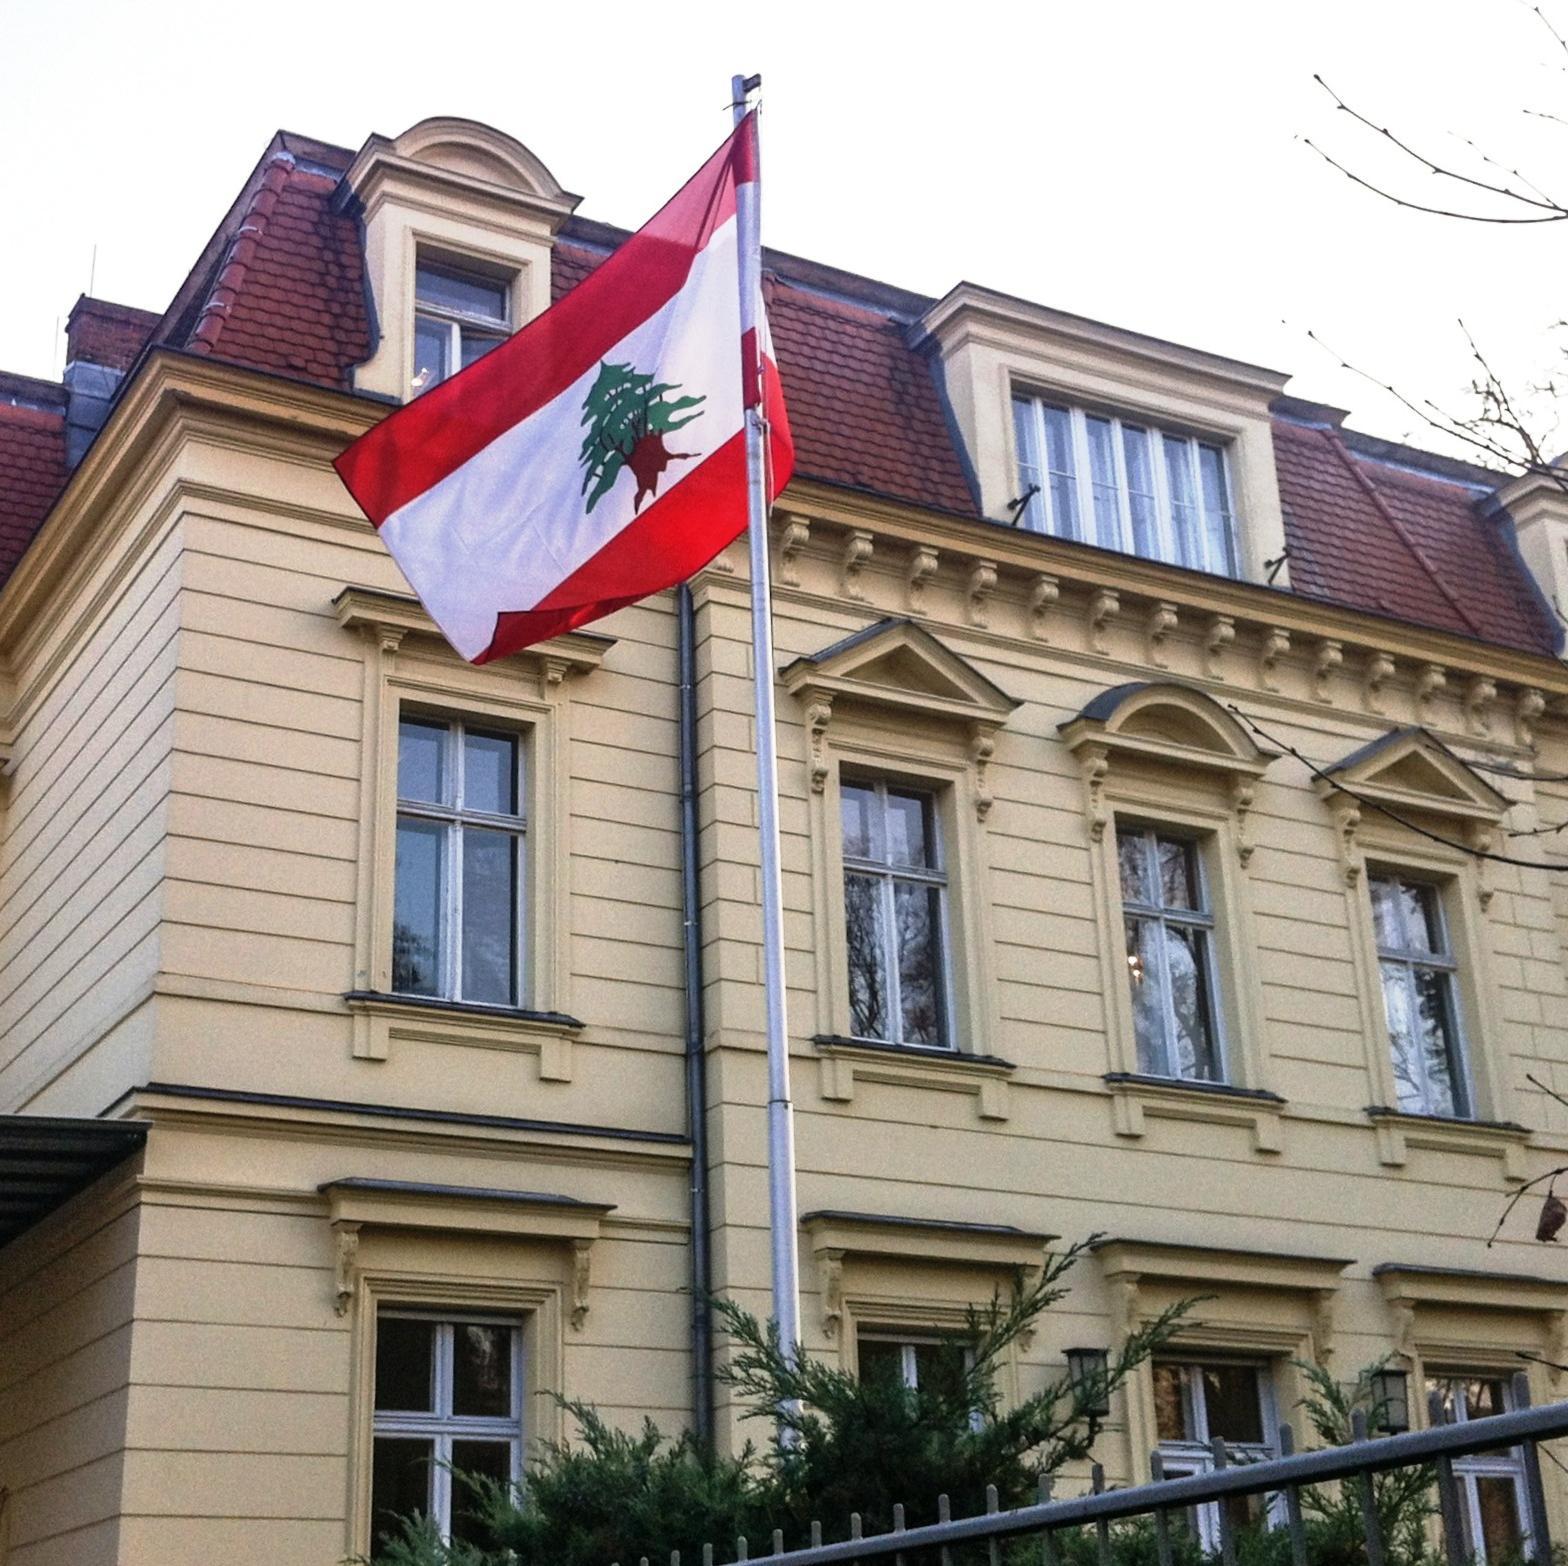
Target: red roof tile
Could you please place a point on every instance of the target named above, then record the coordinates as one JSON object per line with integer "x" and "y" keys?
{"x": 1372, "y": 536}
{"x": 32, "y": 474}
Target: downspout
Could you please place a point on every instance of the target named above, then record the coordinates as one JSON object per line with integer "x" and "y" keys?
{"x": 696, "y": 1058}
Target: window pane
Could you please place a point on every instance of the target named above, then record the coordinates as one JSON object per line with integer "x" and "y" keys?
{"x": 1386, "y": 914}
{"x": 1028, "y": 464}
{"x": 1171, "y": 1416}
{"x": 1187, "y": 962}
{"x": 1062, "y": 473}
{"x": 918, "y": 912}
{"x": 489, "y": 915}
{"x": 1141, "y": 501}
{"x": 867, "y": 947}
{"x": 400, "y": 1471}
{"x": 939, "y": 1369}
{"x": 417, "y": 900}
{"x": 432, "y": 354}
{"x": 403, "y": 1361}
{"x": 1434, "y": 1010}
{"x": 1178, "y": 874}
{"x": 1102, "y": 476}
{"x": 1497, "y": 1499}
{"x": 1484, "y": 1396}
{"x": 862, "y": 822}
{"x": 475, "y": 345}
{"x": 479, "y": 1459}
{"x": 1132, "y": 856}
{"x": 421, "y": 755}
{"x": 482, "y": 1370}
{"x": 1184, "y": 506}
{"x": 1230, "y": 1395}
{"x": 881, "y": 1360}
{"x": 1423, "y": 922}
{"x": 1148, "y": 1008}
{"x": 467, "y": 293}
{"x": 1216, "y": 511}
{"x": 490, "y": 773}
{"x": 1403, "y": 1037}
{"x": 911, "y": 839}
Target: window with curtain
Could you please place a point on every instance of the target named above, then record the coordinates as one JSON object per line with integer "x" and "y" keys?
{"x": 1170, "y": 954}
{"x": 1419, "y": 976}
{"x": 1126, "y": 485}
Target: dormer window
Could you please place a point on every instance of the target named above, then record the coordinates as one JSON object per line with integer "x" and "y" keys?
{"x": 460, "y": 314}
{"x": 1124, "y": 485}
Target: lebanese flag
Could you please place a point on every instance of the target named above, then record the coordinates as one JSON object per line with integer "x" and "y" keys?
{"x": 599, "y": 454}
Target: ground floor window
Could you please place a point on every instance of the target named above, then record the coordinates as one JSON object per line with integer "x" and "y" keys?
{"x": 448, "y": 1396}
{"x": 1196, "y": 1400}
{"x": 1491, "y": 1484}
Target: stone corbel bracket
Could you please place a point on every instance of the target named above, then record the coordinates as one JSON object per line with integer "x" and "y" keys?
{"x": 388, "y": 618}
{"x": 794, "y": 535}
{"x": 357, "y": 1207}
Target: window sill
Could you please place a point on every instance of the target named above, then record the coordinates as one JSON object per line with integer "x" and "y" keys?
{"x": 1399, "y": 1130}
{"x": 845, "y": 1062}
{"x": 380, "y": 1020}
{"x": 1136, "y": 1098}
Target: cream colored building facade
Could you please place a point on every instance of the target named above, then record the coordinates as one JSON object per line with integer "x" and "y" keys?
{"x": 207, "y": 656}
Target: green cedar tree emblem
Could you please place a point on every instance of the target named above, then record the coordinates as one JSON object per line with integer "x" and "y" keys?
{"x": 627, "y": 415}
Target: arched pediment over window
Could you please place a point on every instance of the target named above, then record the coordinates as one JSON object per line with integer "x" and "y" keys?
{"x": 1168, "y": 722}
{"x": 1184, "y": 733}
{"x": 467, "y": 148}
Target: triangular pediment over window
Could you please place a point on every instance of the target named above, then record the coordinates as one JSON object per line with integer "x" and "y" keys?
{"x": 1170, "y": 722}
{"x": 901, "y": 665}
{"x": 1411, "y": 769}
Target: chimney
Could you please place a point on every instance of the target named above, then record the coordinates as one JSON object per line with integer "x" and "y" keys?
{"x": 102, "y": 342}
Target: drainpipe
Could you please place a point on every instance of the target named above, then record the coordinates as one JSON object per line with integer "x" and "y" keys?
{"x": 696, "y": 1058}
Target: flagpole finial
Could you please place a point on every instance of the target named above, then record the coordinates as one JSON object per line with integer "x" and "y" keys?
{"x": 741, "y": 89}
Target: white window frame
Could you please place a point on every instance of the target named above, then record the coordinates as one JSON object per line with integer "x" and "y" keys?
{"x": 1445, "y": 963}
{"x": 1202, "y": 919}
{"x": 455, "y": 817}
{"x": 1485, "y": 1465}
{"x": 1196, "y": 1456}
{"x": 440, "y": 1425}
{"x": 909, "y": 1360}
{"x": 887, "y": 876}
{"x": 1037, "y": 514}
{"x": 456, "y": 322}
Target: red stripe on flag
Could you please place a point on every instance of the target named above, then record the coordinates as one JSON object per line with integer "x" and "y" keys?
{"x": 421, "y": 443}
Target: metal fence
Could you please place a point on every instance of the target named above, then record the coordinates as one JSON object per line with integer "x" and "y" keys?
{"x": 1284, "y": 1477}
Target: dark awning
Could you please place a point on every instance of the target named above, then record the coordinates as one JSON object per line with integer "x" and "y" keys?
{"x": 45, "y": 1161}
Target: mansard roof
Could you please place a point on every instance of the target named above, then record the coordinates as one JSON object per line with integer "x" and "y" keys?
{"x": 281, "y": 288}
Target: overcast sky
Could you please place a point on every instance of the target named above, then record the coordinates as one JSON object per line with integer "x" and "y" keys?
{"x": 1137, "y": 161}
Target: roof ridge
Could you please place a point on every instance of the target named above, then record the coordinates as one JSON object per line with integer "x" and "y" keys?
{"x": 1405, "y": 536}
{"x": 252, "y": 229}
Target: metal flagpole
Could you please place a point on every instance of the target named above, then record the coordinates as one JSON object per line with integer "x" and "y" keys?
{"x": 781, "y": 1114}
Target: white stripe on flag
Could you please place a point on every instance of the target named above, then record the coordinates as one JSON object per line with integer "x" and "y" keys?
{"x": 505, "y": 529}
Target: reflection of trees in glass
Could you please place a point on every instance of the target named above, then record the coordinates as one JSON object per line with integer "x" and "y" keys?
{"x": 863, "y": 931}
{"x": 893, "y": 914}
{"x": 413, "y": 961}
